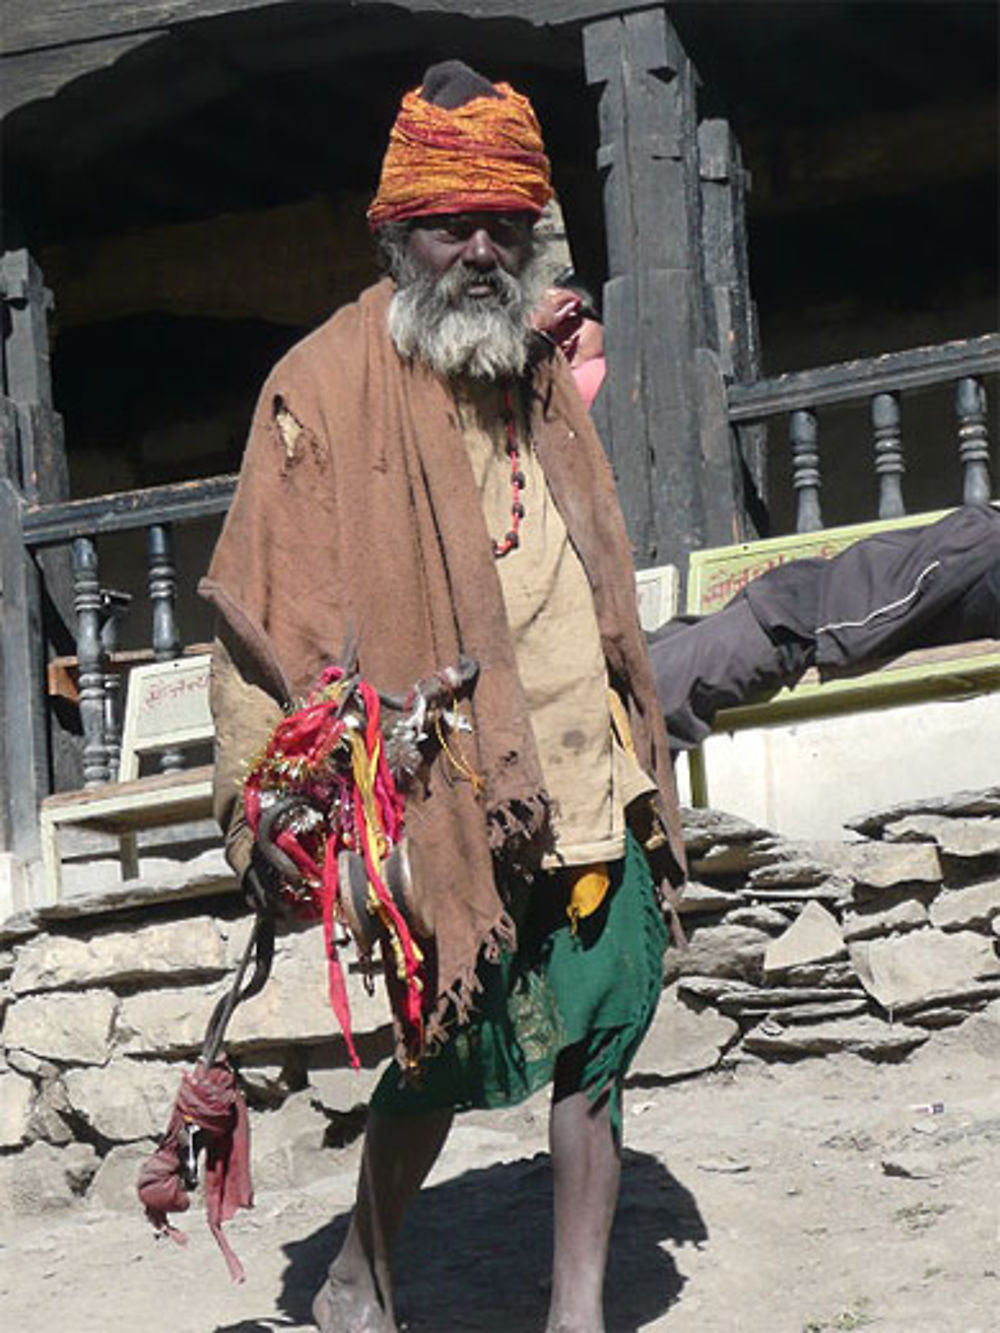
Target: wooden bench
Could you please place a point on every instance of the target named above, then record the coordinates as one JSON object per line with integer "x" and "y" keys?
{"x": 166, "y": 708}
{"x": 928, "y": 675}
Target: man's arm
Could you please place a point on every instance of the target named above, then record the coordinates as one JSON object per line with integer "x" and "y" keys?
{"x": 245, "y": 715}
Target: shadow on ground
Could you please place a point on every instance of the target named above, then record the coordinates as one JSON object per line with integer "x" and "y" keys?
{"x": 475, "y": 1252}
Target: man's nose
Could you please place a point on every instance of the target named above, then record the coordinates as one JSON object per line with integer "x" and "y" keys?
{"x": 479, "y": 250}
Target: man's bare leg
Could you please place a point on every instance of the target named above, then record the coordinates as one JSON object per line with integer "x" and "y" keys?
{"x": 586, "y": 1167}
{"x": 398, "y": 1154}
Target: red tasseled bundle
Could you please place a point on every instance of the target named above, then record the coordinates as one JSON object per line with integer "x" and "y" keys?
{"x": 209, "y": 1102}
{"x": 341, "y": 773}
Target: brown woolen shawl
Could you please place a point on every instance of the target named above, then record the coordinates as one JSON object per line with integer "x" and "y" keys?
{"x": 368, "y": 521}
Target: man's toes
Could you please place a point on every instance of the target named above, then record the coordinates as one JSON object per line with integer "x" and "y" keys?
{"x": 340, "y": 1308}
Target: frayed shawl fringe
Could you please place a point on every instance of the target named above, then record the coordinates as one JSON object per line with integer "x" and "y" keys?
{"x": 517, "y": 825}
{"x": 454, "y": 1007}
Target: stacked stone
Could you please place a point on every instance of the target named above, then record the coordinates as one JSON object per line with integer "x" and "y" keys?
{"x": 804, "y": 948}
{"x": 795, "y": 949}
{"x": 99, "y": 1021}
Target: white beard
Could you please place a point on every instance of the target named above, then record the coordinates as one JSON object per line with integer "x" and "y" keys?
{"x": 432, "y": 320}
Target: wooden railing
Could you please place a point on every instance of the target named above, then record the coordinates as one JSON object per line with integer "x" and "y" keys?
{"x": 78, "y": 525}
{"x": 882, "y": 381}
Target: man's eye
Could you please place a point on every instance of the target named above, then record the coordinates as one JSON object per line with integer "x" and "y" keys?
{"x": 456, "y": 229}
{"x": 506, "y": 228}
{"x": 503, "y": 228}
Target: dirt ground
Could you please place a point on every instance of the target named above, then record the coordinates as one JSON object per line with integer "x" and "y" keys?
{"x": 827, "y": 1195}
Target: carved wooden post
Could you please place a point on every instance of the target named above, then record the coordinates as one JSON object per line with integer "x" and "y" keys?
{"x": 24, "y": 773}
{"x": 731, "y": 315}
{"x": 973, "y": 446}
{"x": 654, "y": 299}
{"x": 166, "y": 639}
{"x": 889, "y": 465}
{"x": 33, "y": 469}
{"x": 90, "y": 659}
{"x": 804, "y": 437}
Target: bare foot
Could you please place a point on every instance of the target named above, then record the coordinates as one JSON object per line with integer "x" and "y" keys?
{"x": 339, "y": 1307}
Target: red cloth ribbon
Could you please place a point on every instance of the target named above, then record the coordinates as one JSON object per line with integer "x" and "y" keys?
{"x": 309, "y": 754}
{"x": 210, "y": 1102}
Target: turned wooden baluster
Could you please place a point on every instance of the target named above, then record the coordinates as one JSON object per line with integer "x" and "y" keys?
{"x": 114, "y": 605}
{"x": 166, "y": 639}
{"x": 804, "y": 437}
{"x": 90, "y": 660}
{"x": 889, "y": 465}
{"x": 973, "y": 446}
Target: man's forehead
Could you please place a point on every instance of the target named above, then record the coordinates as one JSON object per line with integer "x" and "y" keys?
{"x": 482, "y": 218}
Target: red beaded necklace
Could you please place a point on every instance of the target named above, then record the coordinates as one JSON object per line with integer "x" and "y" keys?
{"x": 511, "y": 541}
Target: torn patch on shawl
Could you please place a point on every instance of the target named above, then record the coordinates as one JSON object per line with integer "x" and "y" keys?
{"x": 288, "y": 425}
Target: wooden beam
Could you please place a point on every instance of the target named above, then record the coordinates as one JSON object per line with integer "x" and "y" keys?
{"x": 47, "y": 46}
{"x": 894, "y": 372}
{"x": 49, "y": 525}
{"x": 42, "y": 73}
{"x": 34, "y": 24}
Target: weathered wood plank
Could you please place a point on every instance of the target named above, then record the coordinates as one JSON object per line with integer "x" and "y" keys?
{"x": 9, "y": 465}
{"x": 122, "y": 809}
{"x": 654, "y": 301}
{"x": 620, "y": 399}
{"x": 139, "y": 802}
{"x": 723, "y": 479}
{"x": 26, "y": 344}
{"x": 850, "y": 380}
{"x": 24, "y": 774}
{"x": 731, "y": 315}
{"x": 34, "y": 75}
{"x": 916, "y": 676}
{"x": 49, "y": 525}
{"x": 31, "y": 24}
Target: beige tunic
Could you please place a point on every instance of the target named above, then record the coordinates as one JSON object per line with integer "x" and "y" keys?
{"x": 557, "y": 644}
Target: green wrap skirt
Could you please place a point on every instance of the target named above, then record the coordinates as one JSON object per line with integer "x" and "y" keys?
{"x": 594, "y": 990}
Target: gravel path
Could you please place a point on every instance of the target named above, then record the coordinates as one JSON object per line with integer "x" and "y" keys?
{"x": 809, "y": 1198}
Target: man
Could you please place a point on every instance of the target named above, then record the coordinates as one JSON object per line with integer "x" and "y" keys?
{"x": 422, "y": 473}
{"x": 897, "y": 590}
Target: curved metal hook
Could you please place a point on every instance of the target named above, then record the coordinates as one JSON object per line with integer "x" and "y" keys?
{"x": 269, "y": 849}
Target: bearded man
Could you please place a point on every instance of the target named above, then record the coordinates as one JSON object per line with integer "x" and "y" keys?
{"x": 422, "y": 472}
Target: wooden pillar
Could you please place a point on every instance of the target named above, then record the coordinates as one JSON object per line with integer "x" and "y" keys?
{"x": 23, "y": 744}
{"x": 659, "y": 354}
{"x": 731, "y": 319}
{"x": 33, "y": 471}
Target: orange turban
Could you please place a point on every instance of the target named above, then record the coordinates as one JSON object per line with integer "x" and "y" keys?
{"x": 484, "y": 156}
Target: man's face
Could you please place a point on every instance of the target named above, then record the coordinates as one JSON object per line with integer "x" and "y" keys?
{"x": 466, "y": 284}
{"x": 480, "y": 243}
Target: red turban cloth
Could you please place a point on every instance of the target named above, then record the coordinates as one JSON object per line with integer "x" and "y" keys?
{"x": 486, "y": 155}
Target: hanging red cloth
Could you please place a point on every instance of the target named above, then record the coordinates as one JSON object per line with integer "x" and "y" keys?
{"x": 210, "y": 1104}
{"x": 330, "y": 756}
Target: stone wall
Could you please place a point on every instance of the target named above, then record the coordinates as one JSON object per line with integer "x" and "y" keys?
{"x": 795, "y": 950}
{"x": 866, "y": 945}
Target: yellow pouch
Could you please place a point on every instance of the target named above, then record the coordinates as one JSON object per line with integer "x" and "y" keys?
{"x": 590, "y": 884}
